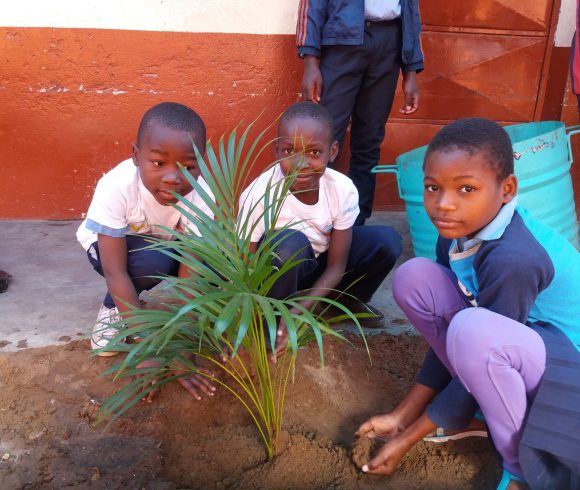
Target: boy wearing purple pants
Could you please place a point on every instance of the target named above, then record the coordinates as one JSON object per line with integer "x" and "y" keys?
{"x": 501, "y": 312}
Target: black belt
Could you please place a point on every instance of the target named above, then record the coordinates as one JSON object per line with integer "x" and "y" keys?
{"x": 369, "y": 23}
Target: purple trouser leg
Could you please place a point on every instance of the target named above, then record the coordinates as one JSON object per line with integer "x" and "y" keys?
{"x": 501, "y": 362}
{"x": 427, "y": 294}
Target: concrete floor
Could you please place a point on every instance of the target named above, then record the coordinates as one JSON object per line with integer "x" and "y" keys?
{"x": 54, "y": 295}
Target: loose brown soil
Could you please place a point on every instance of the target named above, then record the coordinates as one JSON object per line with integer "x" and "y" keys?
{"x": 49, "y": 398}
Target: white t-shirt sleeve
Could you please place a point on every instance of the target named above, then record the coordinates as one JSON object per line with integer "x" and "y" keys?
{"x": 348, "y": 209}
{"x": 107, "y": 213}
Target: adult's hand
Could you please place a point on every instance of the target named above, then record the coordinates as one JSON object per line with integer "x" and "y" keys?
{"x": 312, "y": 79}
{"x": 411, "y": 92}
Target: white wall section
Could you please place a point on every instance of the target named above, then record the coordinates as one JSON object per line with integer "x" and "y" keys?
{"x": 223, "y": 16}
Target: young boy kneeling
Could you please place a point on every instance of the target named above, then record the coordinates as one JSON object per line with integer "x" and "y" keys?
{"x": 134, "y": 201}
{"x": 320, "y": 209}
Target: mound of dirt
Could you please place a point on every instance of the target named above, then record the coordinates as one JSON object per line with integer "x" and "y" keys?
{"x": 48, "y": 437}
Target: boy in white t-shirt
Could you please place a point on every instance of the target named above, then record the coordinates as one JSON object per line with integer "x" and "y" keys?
{"x": 320, "y": 209}
{"x": 131, "y": 202}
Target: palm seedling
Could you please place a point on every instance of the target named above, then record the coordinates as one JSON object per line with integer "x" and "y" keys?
{"x": 222, "y": 308}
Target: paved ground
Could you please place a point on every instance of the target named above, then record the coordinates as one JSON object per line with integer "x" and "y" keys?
{"x": 54, "y": 295}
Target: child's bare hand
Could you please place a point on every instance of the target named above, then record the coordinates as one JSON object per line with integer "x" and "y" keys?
{"x": 388, "y": 457}
{"x": 197, "y": 384}
{"x": 380, "y": 426}
{"x": 281, "y": 339}
{"x": 149, "y": 363}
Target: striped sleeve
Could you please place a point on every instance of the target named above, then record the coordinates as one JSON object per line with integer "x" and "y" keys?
{"x": 311, "y": 19}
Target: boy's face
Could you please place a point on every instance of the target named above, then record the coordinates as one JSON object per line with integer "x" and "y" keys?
{"x": 305, "y": 145}
{"x": 157, "y": 156}
{"x": 462, "y": 193}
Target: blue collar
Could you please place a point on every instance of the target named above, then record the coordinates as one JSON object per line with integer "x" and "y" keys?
{"x": 493, "y": 230}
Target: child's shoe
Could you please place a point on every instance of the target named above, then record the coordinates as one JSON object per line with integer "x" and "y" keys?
{"x": 441, "y": 435}
{"x": 476, "y": 428}
{"x": 103, "y": 332}
{"x": 377, "y": 320}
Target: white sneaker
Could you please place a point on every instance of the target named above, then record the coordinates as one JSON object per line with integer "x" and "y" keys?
{"x": 103, "y": 332}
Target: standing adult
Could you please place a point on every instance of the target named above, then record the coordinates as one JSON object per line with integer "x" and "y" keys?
{"x": 353, "y": 52}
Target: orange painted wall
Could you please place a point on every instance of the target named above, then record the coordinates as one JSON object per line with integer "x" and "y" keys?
{"x": 72, "y": 100}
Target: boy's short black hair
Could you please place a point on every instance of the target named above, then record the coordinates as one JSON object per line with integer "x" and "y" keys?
{"x": 309, "y": 110}
{"x": 477, "y": 134}
{"x": 173, "y": 115}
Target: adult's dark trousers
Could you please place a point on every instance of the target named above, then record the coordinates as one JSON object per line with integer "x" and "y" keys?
{"x": 359, "y": 84}
{"x": 372, "y": 255}
{"x": 142, "y": 265}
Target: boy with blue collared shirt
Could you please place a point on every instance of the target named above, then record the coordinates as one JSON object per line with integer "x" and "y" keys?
{"x": 500, "y": 310}
{"x": 353, "y": 52}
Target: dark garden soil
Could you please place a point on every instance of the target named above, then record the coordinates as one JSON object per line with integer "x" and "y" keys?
{"x": 48, "y": 439}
